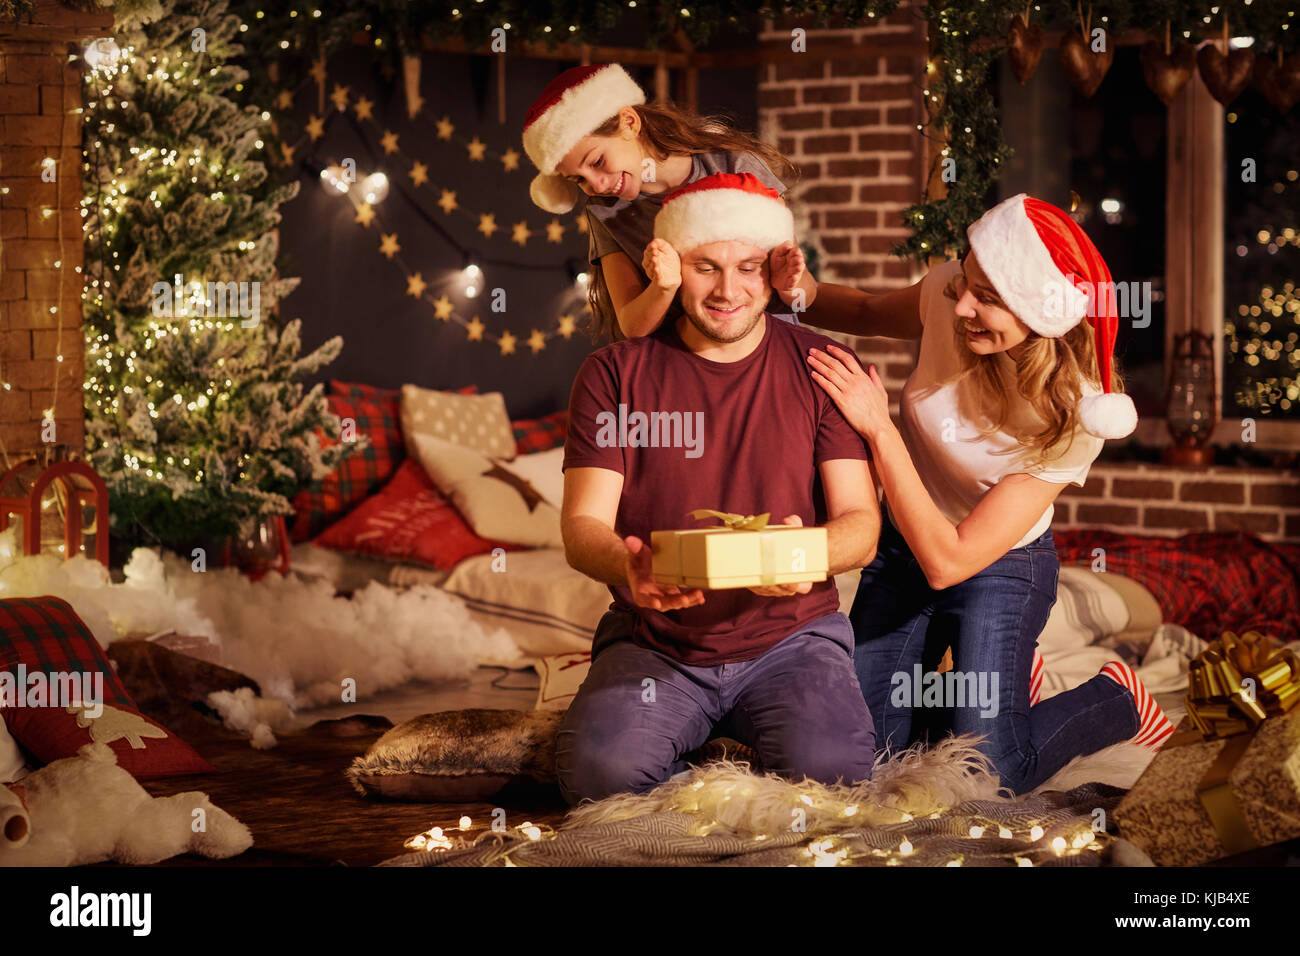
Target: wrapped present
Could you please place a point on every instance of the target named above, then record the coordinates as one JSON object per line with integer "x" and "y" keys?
{"x": 1229, "y": 780}
{"x": 744, "y": 551}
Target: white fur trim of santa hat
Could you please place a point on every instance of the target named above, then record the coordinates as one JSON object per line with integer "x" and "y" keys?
{"x": 1017, "y": 262}
{"x": 724, "y": 207}
{"x": 574, "y": 104}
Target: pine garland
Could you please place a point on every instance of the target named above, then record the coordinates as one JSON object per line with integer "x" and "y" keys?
{"x": 967, "y": 37}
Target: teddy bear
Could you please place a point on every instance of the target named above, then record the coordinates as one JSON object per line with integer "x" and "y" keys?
{"x": 87, "y": 809}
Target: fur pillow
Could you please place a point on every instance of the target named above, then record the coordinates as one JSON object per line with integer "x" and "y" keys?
{"x": 459, "y": 755}
{"x": 468, "y": 756}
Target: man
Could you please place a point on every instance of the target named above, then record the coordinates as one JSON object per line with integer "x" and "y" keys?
{"x": 772, "y": 665}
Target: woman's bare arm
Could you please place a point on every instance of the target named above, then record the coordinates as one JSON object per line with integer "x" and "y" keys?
{"x": 895, "y": 314}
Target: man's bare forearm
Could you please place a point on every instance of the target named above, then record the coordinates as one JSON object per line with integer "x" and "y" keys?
{"x": 592, "y": 547}
{"x": 851, "y": 539}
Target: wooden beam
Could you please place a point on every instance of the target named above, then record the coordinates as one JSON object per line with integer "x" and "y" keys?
{"x": 50, "y": 20}
{"x": 1194, "y": 216}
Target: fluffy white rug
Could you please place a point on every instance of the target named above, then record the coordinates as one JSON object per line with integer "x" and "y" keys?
{"x": 917, "y": 782}
{"x": 303, "y": 645}
{"x": 730, "y": 797}
{"x": 1119, "y": 766}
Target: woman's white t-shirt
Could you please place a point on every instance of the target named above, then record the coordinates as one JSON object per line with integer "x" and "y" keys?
{"x": 940, "y": 422}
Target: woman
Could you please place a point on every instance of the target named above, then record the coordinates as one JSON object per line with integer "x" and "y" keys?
{"x": 1011, "y": 399}
{"x": 590, "y": 130}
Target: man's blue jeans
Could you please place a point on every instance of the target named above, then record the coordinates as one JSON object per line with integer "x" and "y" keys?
{"x": 992, "y": 622}
{"x": 639, "y": 712}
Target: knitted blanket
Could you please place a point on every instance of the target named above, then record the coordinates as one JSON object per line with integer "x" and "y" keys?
{"x": 936, "y": 807}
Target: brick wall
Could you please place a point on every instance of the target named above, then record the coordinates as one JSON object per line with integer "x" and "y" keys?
{"x": 1155, "y": 499}
{"x": 40, "y": 95}
{"x": 850, "y": 125}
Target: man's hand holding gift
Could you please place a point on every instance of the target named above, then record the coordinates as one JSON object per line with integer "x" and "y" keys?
{"x": 645, "y": 591}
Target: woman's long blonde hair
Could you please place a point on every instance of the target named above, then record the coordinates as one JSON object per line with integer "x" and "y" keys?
{"x": 1050, "y": 375}
{"x": 667, "y": 131}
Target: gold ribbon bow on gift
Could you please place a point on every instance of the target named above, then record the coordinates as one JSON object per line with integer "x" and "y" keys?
{"x": 1233, "y": 686}
{"x": 734, "y": 521}
{"x": 1236, "y": 682}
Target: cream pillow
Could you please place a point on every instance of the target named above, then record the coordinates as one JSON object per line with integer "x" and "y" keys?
{"x": 475, "y": 421}
{"x": 544, "y": 470}
{"x": 497, "y": 503}
{"x": 561, "y": 676}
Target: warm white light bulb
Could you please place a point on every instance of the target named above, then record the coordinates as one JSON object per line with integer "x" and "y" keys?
{"x": 374, "y": 188}
{"x": 102, "y": 54}
{"x": 334, "y": 180}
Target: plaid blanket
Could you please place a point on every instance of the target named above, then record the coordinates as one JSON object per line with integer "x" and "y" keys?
{"x": 667, "y": 839}
{"x": 1208, "y": 582}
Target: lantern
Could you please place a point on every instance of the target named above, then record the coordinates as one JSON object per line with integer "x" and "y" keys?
{"x": 261, "y": 546}
{"x": 74, "y": 485}
{"x": 1191, "y": 402}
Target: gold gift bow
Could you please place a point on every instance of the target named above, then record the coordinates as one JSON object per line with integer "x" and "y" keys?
{"x": 734, "y": 521}
{"x": 1236, "y": 682}
{"x": 737, "y": 522}
{"x": 1217, "y": 686}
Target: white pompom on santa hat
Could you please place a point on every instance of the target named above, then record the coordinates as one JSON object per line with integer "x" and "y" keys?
{"x": 724, "y": 207}
{"x": 1049, "y": 273}
{"x": 573, "y": 105}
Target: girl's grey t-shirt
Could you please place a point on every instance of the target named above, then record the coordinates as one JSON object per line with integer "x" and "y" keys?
{"x": 628, "y": 226}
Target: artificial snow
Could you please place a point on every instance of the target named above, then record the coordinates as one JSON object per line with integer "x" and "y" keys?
{"x": 305, "y": 646}
{"x": 258, "y": 717}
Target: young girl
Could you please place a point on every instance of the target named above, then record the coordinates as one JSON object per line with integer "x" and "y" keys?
{"x": 591, "y": 131}
{"x": 1011, "y": 399}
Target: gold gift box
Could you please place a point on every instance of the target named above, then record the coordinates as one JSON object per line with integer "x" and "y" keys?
{"x": 721, "y": 557}
{"x": 1202, "y": 800}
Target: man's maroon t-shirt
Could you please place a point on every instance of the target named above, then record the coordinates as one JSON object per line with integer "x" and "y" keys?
{"x": 746, "y": 437}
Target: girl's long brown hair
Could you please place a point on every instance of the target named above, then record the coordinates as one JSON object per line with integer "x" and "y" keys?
{"x": 668, "y": 131}
{"x": 1050, "y": 374}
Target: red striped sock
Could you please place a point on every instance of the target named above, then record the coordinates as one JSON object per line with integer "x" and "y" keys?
{"x": 1036, "y": 679}
{"x": 1155, "y": 727}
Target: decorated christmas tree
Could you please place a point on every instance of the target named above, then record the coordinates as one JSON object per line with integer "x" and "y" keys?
{"x": 196, "y": 415}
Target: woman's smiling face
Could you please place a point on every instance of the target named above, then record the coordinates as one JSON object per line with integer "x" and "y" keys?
{"x": 987, "y": 325}
{"x": 607, "y": 165}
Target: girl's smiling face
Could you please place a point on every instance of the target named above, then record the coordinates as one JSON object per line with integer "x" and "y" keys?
{"x": 607, "y": 165}
{"x": 985, "y": 322}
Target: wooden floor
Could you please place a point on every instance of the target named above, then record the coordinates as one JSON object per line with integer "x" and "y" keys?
{"x": 304, "y": 812}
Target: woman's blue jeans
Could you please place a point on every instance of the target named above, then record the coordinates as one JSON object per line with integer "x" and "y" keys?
{"x": 991, "y": 621}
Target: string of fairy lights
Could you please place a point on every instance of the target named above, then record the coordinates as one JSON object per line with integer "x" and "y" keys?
{"x": 49, "y": 165}
{"x": 468, "y": 281}
{"x": 831, "y": 847}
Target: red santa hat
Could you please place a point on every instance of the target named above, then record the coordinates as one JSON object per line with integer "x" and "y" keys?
{"x": 724, "y": 207}
{"x": 1050, "y": 275}
{"x": 572, "y": 106}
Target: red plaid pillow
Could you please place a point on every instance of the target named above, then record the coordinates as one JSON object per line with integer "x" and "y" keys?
{"x": 409, "y": 520}
{"x": 1208, "y": 582}
{"x": 370, "y": 393}
{"x": 540, "y": 434}
{"x": 42, "y": 641}
{"x": 377, "y": 416}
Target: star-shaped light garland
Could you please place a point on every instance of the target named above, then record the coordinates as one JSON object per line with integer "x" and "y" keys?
{"x": 389, "y": 245}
